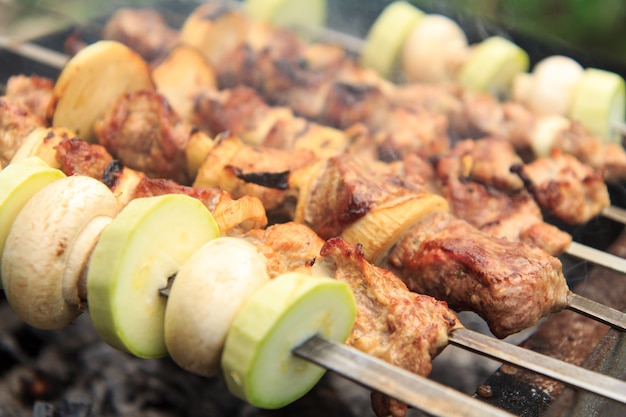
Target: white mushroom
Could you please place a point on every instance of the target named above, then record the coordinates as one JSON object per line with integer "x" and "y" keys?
{"x": 207, "y": 293}
{"x": 48, "y": 247}
{"x": 434, "y": 50}
{"x": 554, "y": 81}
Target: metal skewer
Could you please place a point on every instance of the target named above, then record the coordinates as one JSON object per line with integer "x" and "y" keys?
{"x": 597, "y": 311}
{"x": 565, "y": 372}
{"x": 617, "y": 214}
{"x": 598, "y": 257}
{"x": 378, "y": 375}
{"x": 35, "y": 52}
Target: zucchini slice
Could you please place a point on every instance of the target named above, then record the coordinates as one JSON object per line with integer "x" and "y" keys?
{"x": 257, "y": 362}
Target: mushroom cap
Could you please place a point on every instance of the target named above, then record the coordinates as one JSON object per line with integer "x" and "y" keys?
{"x": 48, "y": 248}
{"x": 207, "y": 293}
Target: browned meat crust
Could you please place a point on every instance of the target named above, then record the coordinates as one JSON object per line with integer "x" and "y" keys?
{"x": 145, "y": 134}
{"x": 144, "y": 30}
{"x": 494, "y": 200}
{"x": 482, "y": 115}
{"x": 16, "y": 122}
{"x": 392, "y": 323}
{"x": 210, "y": 197}
{"x": 287, "y": 247}
{"x": 79, "y": 157}
{"x": 243, "y": 113}
{"x": 33, "y": 92}
{"x": 565, "y": 187}
{"x": 344, "y": 189}
{"x": 509, "y": 284}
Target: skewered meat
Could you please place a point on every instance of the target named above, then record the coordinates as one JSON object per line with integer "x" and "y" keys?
{"x": 144, "y": 30}
{"x": 483, "y": 115}
{"x": 564, "y": 186}
{"x": 509, "y": 284}
{"x": 392, "y": 323}
{"x": 147, "y": 135}
{"x": 78, "y": 157}
{"x": 305, "y": 80}
{"x": 492, "y": 200}
{"x": 438, "y": 255}
{"x": 32, "y": 92}
{"x": 16, "y": 122}
{"x": 512, "y": 214}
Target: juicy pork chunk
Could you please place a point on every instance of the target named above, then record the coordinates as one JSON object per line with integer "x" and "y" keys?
{"x": 287, "y": 246}
{"x": 335, "y": 91}
{"x": 32, "y": 92}
{"x": 565, "y": 187}
{"x": 608, "y": 158}
{"x": 476, "y": 180}
{"x": 143, "y": 30}
{"x": 510, "y": 284}
{"x": 143, "y": 132}
{"x": 339, "y": 191}
{"x": 16, "y": 122}
{"x": 78, "y": 157}
{"x": 392, "y": 323}
{"x": 482, "y": 115}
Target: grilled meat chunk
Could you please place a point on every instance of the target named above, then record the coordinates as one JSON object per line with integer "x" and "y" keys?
{"x": 143, "y": 132}
{"x": 392, "y": 323}
{"x": 510, "y": 284}
{"x": 144, "y": 30}
{"x": 482, "y": 115}
{"x": 243, "y": 113}
{"x": 287, "y": 246}
{"x": 78, "y": 157}
{"x": 337, "y": 192}
{"x": 33, "y": 92}
{"x": 16, "y": 122}
{"x": 565, "y": 187}
{"x": 494, "y": 200}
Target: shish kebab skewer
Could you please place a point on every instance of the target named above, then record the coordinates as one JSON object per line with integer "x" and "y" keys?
{"x": 49, "y": 303}
{"x": 606, "y": 260}
{"x": 612, "y": 212}
{"x": 466, "y": 339}
{"x": 297, "y": 69}
{"x": 492, "y": 323}
{"x": 71, "y": 153}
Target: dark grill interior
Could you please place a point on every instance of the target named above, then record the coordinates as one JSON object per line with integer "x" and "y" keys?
{"x": 72, "y": 373}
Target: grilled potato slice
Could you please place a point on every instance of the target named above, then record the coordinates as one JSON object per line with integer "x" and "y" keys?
{"x": 92, "y": 81}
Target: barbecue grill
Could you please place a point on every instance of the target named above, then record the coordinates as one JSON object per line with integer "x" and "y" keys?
{"x": 45, "y": 371}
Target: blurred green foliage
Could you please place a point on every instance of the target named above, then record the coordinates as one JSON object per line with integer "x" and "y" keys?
{"x": 597, "y": 26}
